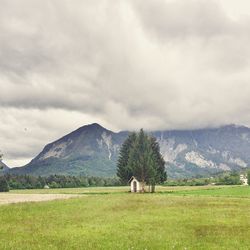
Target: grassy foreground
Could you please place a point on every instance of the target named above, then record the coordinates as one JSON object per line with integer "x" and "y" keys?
{"x": 109, "y": 218}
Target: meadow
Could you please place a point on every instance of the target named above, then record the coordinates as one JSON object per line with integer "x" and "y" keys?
{"x": 111, "y": 218}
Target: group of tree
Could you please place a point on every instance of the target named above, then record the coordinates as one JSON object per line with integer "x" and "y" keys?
{"x": 225, "y": 178}
{"x": 231, "y": 178}
{"x": 1, "y": 157}
{"x": 4, "y": 186}
{"x": 248, "y": 177}
{"x": 55, "y": 181}
{"x": 140, "y": 157}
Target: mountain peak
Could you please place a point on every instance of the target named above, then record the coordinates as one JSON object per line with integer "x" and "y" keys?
{"x": 92, "y": 127}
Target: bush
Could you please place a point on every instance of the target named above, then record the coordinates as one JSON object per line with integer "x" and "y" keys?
{"x": 232, "y": 178}
{"x": 4, "y": 187}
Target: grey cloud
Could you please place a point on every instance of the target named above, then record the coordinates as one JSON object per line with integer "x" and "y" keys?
{"x": 203, "y": 25}
{"x": 24, "y": 132}
{"x": 126, "y": 64}
{"x": 184, "y": 19}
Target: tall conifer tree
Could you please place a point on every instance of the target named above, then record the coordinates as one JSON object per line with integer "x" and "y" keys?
{"x": 140, "y": 157}
{"x": 123, "y": 171}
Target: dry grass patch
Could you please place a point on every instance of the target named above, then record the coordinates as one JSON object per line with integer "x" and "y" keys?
{"x": 7, "y": 198}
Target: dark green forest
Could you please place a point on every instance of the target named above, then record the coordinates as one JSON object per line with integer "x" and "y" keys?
{"x": 56, "y": 181}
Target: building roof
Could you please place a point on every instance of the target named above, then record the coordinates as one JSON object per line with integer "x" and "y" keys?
{"x": 132, "y": 178}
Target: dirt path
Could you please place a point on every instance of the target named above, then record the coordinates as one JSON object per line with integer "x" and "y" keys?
{"x": 6, "y": 198}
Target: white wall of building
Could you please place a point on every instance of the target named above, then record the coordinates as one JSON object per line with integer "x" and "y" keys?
{"x": 138, "y": 185}
{"x": 243, "y": 179}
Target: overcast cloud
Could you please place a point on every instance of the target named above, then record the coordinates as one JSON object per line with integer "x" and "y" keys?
{"x": 156, "y": 64}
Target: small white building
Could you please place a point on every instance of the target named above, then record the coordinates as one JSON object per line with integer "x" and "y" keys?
{"x": 135, "y": 185}
{"x": 243, "y": 179}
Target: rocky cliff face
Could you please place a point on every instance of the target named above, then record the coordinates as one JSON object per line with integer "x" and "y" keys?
{"x": 205, "y": 151}
{"x": 93, "y": 150}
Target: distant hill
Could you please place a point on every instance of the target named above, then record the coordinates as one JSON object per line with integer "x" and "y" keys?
{"x": 93, "y": 150}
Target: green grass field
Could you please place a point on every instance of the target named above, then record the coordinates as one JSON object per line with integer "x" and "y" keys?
{"x": 111, "y": 218}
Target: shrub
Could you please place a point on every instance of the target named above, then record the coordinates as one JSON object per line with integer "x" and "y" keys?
{"x": 248, "y": 177}
{"x": 4, "y": 187}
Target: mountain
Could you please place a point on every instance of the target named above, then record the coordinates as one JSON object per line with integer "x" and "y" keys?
{"x": 93, "y": 150}
{"x": 90, "y": 150}
{"x": 205, "y": 151}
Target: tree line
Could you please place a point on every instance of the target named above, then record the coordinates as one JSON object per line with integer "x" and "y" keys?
{"x": 60, "y": 181}
{"x": 227, "y": 178}
{"x": 54, "y": 181}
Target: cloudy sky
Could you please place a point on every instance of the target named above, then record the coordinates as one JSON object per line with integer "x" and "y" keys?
{"x": 157, "y": 64}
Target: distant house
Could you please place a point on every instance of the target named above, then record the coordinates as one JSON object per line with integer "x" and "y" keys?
{"x": 243, "y": 179}
{"x": 135, "y": 185}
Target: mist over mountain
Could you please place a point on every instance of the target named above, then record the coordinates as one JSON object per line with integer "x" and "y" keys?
{"x": 93, "y": 150}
